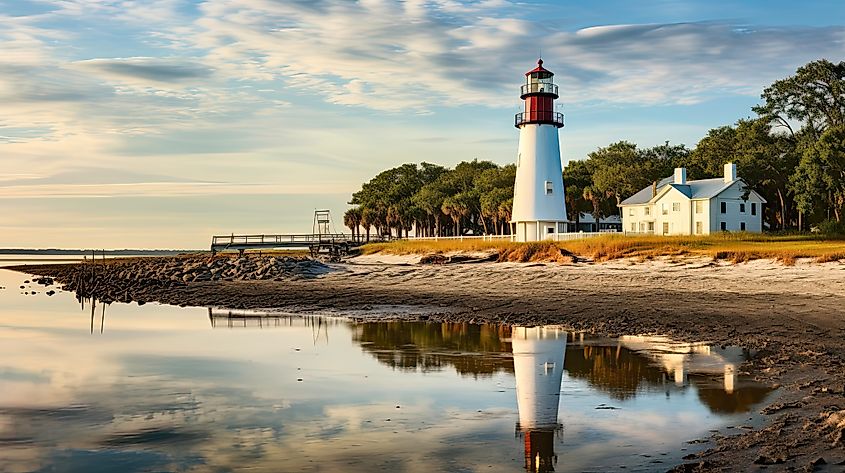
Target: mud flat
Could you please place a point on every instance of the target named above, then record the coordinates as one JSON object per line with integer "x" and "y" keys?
{"x": 794, "y": 316}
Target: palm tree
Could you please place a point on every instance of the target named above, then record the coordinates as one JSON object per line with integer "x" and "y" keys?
{"x": 367, "y": 220}
{"x": 352, "y": 219}
{"x": 455, "y": 208}
{"x": 594, "y": 197}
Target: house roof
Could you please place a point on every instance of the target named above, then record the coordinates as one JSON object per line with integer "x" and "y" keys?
{"x": 699, "y": 189}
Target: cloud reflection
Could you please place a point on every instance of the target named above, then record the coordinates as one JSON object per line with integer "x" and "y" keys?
{"x": 173, "y": 389}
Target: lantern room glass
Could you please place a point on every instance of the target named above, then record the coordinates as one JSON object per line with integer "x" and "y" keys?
{"x": 539, "y": 82}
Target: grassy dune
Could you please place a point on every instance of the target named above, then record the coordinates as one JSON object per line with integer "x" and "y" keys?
{"x": 733, "y": 247}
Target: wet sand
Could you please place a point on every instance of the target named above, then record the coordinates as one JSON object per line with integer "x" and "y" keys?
{"x": 793, "y": 315}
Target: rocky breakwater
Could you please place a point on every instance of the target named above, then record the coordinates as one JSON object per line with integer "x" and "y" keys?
{"x": 136, "y": 279}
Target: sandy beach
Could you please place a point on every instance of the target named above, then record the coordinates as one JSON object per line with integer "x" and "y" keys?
{"x": 793, "y": 316}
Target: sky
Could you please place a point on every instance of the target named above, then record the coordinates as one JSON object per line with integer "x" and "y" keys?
{"x": 158, "y": 123}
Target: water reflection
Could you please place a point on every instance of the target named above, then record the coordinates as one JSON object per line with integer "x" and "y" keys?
{"x": 538, "y": 360}
{"x": 622, "y": 368}
{"x": 472, "y": 350}
{"x": 188, "y": 389}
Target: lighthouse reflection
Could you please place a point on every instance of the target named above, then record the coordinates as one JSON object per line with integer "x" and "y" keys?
{"x": 538, "y": 362}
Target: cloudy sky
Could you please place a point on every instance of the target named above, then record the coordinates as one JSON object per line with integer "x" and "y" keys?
{"x": 156, "y": 123}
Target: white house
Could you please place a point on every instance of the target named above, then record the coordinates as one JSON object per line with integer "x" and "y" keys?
{"x": 675, "y": 206}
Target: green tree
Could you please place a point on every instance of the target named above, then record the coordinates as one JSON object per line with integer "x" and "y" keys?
{"x": 814, "y": 96}
{"x": 619, "y": 171}
{"x": 712, "y": 152}
{"x": 495, "y": 189}
{"x": 352, "y": 219}
{"x": 821, "y": 173}
{"x": 577, "y": 176}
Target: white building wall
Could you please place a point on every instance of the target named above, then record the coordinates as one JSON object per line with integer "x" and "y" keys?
{"x": 636, "y": 218}
{"x": 673, "y": 213}
{"x": 734, "y": 215}
{"x": 538, "y": 162}
{"x": 703, "y": 217}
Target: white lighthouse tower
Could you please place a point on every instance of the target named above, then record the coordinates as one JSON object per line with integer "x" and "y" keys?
{"x": 538, "y": 355}
{"x": 539, "y": 208}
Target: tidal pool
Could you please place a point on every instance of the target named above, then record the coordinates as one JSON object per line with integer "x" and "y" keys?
{"x": 161, "y": 388}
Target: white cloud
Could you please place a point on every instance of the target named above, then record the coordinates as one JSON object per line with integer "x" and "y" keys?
{"x": 422, "y": 55}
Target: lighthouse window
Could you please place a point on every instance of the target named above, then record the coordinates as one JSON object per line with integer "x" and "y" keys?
{"x": 549, "y": 188}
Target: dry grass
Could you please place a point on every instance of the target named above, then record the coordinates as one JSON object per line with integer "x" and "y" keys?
{"x": 731, "y": 247}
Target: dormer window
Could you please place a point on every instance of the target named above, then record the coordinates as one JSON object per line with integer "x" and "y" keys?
{"x": 549, "y": 188}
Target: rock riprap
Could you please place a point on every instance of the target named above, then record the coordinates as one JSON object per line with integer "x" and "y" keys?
{"x": 126, "y": 280}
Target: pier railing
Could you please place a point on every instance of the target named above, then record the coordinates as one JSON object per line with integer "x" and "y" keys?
{"x": 303, "y": 238}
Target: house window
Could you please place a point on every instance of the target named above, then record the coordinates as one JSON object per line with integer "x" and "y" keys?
{"x": 631, "y": 211}
{"x": 676, "y": 206}
{"x": 663, "y": 208}
{"x": 647, "y": 210}
{"x": 699, "y": 228}
{"x": 723, "y": 225}
{"x": 633, "y": 227}
{"x": 742, "y": 208}
{"x": 699, "y": 207}
{"x": 665, "y": 228}
{"x": 753, "y": 208}
{"x": 642, "y": 227}
{"x": 561, "y": 227}
{"x": 724, "y": 206}
{"x": 550, "y": 229}
{"x": 742, "y": 226}
{"x": 549, "y": 189}
{"x": 651, "y": 227}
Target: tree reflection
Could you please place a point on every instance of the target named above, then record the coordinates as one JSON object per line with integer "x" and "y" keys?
{"x": 471, "y": 349}
{"x": 619, "y": 368}
{"x": 614, "y": 370}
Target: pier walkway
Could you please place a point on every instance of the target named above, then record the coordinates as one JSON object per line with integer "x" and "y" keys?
{"x": 332, "y": 243}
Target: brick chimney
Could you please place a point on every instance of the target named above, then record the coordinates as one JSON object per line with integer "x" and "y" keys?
{"x": 653, "y": 189}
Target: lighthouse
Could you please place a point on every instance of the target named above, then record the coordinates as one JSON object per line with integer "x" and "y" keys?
{"x": 539, "y": 208}
{"x": 538, "y": 355}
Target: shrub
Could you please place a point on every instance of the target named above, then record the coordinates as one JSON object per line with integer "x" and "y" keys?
{"x": 832, "y": 227}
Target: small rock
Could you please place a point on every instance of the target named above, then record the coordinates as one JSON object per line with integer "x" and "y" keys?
{"x": 766, "y": 460}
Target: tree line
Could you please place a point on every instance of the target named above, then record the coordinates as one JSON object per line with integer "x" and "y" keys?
{"x": 476, "y": 196}
{"x": 792, "y": 152}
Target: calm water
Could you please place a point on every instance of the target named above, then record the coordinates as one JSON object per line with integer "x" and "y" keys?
{"x": 160, "y": 388}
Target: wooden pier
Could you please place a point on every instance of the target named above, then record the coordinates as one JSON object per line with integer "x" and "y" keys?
{"x": 322, "y": 239}
{"x": 334, "y": 244}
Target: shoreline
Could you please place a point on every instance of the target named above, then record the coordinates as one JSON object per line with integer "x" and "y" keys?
{"x": 792, "y": 315}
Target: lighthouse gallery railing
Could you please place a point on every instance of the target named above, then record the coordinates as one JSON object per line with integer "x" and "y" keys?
{"x": 555, "y": 118}
{"x": 538, "y": 88}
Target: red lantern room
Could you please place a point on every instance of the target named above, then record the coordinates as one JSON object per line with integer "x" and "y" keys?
{"x": 539, "y": 93}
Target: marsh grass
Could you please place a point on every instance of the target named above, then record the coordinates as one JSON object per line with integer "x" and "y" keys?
{"x": 734, "y": 247}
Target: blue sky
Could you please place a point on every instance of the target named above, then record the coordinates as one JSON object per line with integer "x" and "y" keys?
{"x": 155, "y": 123}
